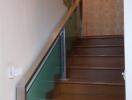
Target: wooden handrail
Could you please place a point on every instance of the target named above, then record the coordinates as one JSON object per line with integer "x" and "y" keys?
{"x": 21, "y": 87}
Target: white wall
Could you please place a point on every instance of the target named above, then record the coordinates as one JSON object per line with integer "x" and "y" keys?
{"x": 128, "y": 47}
{"x": 25, "y": 26}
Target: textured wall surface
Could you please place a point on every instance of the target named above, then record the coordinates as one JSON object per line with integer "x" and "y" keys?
{"x": 103, "y": 17}
{"x": 25, "y": 26}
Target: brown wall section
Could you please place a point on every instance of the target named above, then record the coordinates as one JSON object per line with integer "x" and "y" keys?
{"x": 103, "y": 17}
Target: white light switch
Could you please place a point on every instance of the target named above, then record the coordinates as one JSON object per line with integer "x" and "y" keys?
{"x": 13, "y": 72}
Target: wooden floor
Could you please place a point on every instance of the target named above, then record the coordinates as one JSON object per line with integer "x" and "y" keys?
{"x": 94, "y": 70}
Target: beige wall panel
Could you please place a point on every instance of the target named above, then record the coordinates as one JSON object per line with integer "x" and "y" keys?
{"x": 102, "y": 17}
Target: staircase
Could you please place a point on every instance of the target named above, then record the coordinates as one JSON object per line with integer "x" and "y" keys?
{"x": 95, "y": 65}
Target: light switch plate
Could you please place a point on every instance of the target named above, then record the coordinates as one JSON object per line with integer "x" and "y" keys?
{"x": 14, "y": 72}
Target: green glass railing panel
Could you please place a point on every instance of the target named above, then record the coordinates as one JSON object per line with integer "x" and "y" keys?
{"x": 72, "y": 30}
{"x": 44, "y": 82}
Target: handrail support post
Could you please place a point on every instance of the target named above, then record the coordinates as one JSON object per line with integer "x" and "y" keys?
{"x": 63, "y": 55}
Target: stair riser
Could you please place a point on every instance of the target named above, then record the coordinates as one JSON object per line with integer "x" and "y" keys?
{"x": 96, "y": 61}
{"x": 105, "y": 76}
{"x": 111, "y": 41}
{"x": 94, "y": 70}
{"x": 85, "y": 97}
{"x": 90, "y": 89}
{"x": 98, "y": 51}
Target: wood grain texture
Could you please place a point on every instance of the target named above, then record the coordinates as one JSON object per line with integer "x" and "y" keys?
{"x": 102, "y": 17}
{"x": 92, "y": 75}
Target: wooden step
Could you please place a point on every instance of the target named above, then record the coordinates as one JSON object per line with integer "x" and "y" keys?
{"x": 98, "y": 50}
{"x": 102, "y": 37}
{"x": 94, "y": 60}
{"x": 95, "y": 67}
{"x": 96, "y": 75}
{"x": 85, "y": 82}
{"x": 88, "y": 97}
{"x": 68, "y": 87}
{"x": 100, "y": 40}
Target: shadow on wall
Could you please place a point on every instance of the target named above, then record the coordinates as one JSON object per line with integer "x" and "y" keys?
{"x": 68, "y": 3}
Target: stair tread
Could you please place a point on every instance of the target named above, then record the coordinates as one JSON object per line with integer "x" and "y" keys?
{"x": 98, "y": 51}
{"x": 96, "y": 46}
{"x": 74, "y": 81}
{"x": 96, "y": 60}
{"x": 101, "y": 37}
{"x": 89, "y": 89}
{"x": 97, "y": 81}
{"x": 88, "y": 97}
{"x": 96, "y": 68}
{"x": 81, "y": 55}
